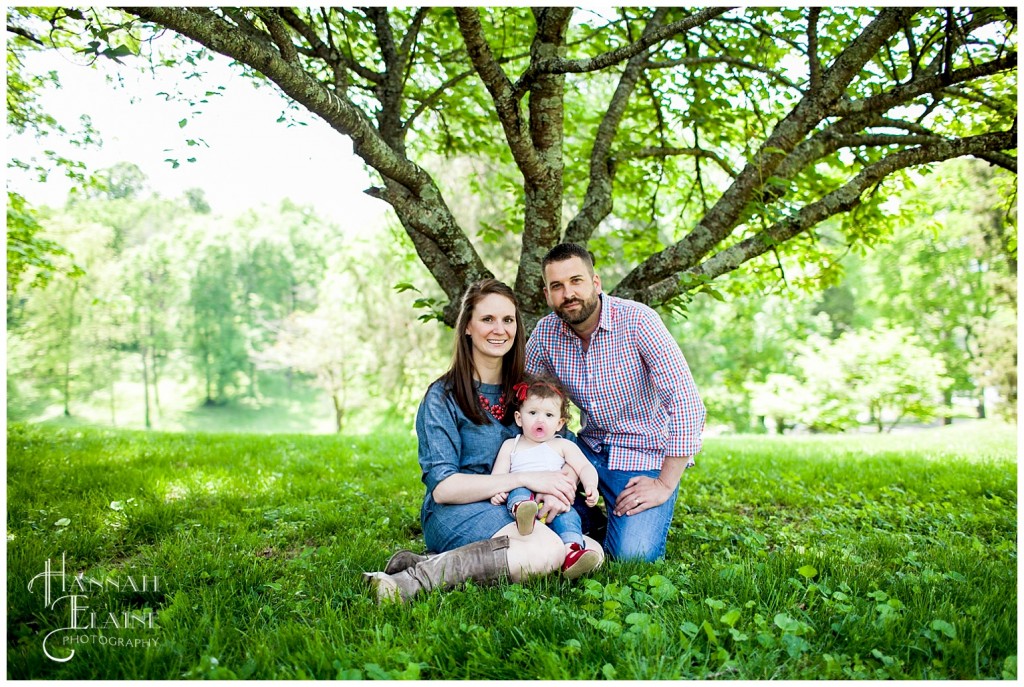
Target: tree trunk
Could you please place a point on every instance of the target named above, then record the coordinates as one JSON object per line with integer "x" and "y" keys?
{"x": 145, "y": 386}
{"x": 113, "y": 403}
{"x": 67, "y": 350}
{"x": 156, "y": 384}
{"x": 209, "y": 380}
{"x": 339, "y": 412}
{"x": 156, "y": 367}
{"x": 947, "y": 400}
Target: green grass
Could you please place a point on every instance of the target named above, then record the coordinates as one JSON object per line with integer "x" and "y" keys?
{"x": 790, "y": 558}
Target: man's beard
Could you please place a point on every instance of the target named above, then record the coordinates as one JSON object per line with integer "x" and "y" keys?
{"x": 587, "y": 308}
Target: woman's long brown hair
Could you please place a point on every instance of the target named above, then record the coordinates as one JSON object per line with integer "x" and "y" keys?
{"x": 459, "y": 377}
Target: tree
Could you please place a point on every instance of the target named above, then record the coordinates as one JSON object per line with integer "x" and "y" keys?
{"x": 53, "y": 338}
{"x": 735, "y": 346}
{"x": 884, "y": 373}
{"x": 150, "y": 283}
{"x": 949, "y": 274}
{"x": 359, "y": 344}
{"x": 701, "y": 139}
{"x": 27, "y": 250}
{"x": 217, "y": 339}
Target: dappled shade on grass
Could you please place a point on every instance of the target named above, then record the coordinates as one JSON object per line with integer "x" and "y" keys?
{"x": 790, "y": 558}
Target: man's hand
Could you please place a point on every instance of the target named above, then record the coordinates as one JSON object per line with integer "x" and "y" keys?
{"x": 640, "y": 494}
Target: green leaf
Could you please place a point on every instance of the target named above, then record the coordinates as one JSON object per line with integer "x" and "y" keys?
{"x": 182, "y": 122}
{"x": 731, "y": 617}
{"x": 738, "y": 636}
{"x": 944, "y": 627}
{"x": 808, "y": 571}
{"x": 63, "y": 522}
{"x": 375, "y": 672}
{"x": 608, "y": 670}
{"x": 788, "y": 624}
{"x": 795, "y": 645}
{"x": 689, "y": 629}
{"x": 710, "y": 632}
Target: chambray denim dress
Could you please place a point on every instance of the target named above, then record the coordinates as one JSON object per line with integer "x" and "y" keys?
{"x": 448, "y": 443}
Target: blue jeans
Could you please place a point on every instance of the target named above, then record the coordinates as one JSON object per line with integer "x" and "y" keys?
{"x": 630, "y": 537}
{"x": 566, "y": 525}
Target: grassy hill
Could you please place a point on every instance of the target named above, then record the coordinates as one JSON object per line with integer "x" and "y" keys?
{"x": 867, "y": 557}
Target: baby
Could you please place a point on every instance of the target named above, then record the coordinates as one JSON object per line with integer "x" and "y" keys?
{"x": 543, "y": 411}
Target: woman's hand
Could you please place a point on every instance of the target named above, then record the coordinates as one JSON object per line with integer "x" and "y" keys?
{"x": 554, "y": 484}
{"x": 550, "y": 507}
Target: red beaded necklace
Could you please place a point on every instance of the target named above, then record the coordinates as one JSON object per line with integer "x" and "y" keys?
{"x": 497, "y": 410}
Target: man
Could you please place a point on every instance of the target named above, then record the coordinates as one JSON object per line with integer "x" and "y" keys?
{"x": 641, "y": 415}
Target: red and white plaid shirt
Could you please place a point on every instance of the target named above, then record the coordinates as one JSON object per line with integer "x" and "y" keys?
{"x": 633, "y": 386}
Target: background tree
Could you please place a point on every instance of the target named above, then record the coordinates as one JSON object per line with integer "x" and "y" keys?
{"x": 214, "y": 324}
{"x": 884, "y": 373}
{"x": 152, "y": 285}
{"x": 56, "y": 327}
{"x": 945, "y": 272}
{"x": 27, "y": 250}
{"x": 706, "y": 138}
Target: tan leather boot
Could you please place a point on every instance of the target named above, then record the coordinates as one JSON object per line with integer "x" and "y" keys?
{"x": 403, "y": 559}
{"x": 484, "y": 562}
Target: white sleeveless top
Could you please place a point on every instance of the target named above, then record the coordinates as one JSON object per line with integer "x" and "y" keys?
{"x": 540, "y": 458}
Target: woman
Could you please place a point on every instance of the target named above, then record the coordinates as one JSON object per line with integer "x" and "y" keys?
{"x": 461, "y": 423}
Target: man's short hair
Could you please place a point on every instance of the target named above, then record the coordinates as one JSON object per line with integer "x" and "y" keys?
{"x": 566, "y": 251}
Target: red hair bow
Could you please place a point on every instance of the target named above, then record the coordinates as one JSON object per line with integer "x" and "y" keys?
{"x": 520, "y": 389}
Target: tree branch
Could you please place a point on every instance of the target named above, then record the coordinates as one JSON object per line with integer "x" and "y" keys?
{"x": 412, "y": 32}
{"x": 237, "y": 15}
{"x": 431, "y": 99}
{"x": 409, "y": 189}
{"x": 279, "y": 32}
{"x": 500, "y": 88}
{"x": 723, "y": 59}
{"x": 597, "y": 203}
{"x": 24, "y": 33}
{"x": 923, "y": 85}
{"x": 320, "y": 49}
{"x": 841, "y": 200}
{"x": 812, "y": 47}
{"x": 1007, "y": 162}
{"x": 626, "y": 52}
{"x": 605, "y": 59}
{"x": 812, "y": 108}
{"x": 389, "y": 89}
{"x": 979, "y": 98}
{"x": 669, "y": 152}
